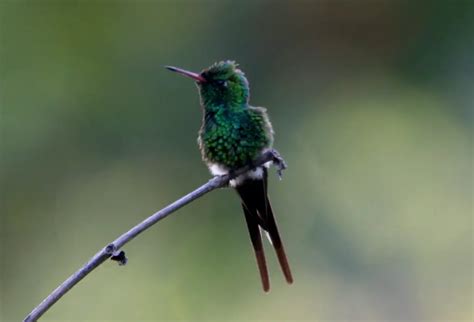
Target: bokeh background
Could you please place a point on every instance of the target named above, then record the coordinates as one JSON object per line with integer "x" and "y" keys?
{"x": 372, "y": 105}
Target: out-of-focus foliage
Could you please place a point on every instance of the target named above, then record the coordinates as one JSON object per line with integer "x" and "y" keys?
{"x": 372, "y": 105}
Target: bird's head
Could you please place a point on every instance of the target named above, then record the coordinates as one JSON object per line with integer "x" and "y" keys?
{"x": 220, "y": 85}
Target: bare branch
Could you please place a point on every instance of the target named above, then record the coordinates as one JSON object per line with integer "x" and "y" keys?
{"x": 112, "y": 249}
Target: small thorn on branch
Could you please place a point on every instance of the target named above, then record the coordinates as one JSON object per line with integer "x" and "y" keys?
{"x": 119, "y": 256}
{"x": 115, "y": 254}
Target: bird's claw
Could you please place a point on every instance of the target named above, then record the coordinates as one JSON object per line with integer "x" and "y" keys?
{"x": 278, "y": 162}
{"x": 226, "y": 177}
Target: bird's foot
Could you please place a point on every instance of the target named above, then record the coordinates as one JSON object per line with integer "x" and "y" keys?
{"x": 278, "y": 162}
{"x": 226, "y": 176}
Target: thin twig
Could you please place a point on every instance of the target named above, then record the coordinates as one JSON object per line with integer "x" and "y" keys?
{"x": 111, "y": 250}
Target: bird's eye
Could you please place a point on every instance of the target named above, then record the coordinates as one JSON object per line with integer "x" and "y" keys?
{"x": 222, "y": 83}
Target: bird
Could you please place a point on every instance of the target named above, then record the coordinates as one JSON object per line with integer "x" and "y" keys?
{"x": 233, "y": 134}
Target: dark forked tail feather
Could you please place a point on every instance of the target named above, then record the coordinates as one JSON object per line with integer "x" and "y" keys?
{"x": 258, "y": 213}
{"x": 256, "y": 239}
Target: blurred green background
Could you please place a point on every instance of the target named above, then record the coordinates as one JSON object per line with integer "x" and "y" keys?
{"x": 372, "y": 105}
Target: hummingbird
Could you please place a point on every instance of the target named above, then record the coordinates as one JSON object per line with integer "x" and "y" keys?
{"x": 233, "y": 134}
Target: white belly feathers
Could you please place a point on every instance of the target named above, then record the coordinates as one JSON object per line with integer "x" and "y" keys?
{"x": 219, "y": 170}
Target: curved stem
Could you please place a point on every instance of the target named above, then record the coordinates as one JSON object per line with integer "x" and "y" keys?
{"x": 112, "y": 248}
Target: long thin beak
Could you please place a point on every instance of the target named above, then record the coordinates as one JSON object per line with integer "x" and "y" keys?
{"x": 187, "y": 73}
